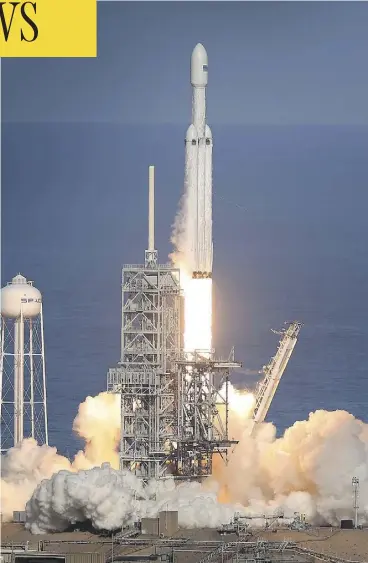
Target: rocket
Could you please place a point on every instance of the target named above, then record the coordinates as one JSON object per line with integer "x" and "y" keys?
{"x": 198, "y": 169}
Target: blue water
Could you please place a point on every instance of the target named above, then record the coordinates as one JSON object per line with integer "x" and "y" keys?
{"x": 290, "y": 233}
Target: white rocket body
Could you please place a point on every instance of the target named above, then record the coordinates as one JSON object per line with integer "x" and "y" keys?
{"x": 198, "y": 169}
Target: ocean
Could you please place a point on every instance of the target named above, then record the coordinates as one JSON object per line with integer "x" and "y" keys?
{"x": 290, "y": 232}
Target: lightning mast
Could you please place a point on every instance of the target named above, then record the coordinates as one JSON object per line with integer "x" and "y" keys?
{"x": 273, "y": 372}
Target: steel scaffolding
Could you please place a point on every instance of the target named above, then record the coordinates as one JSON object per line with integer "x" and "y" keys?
{"x": 150, "y": 344}
{"x": 273, "y": 372}
{"x": 202, "y": 406}
{"x": 174, "y": 405}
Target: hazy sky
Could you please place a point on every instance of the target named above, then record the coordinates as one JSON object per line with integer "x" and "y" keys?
{"x": 269, "y": 62}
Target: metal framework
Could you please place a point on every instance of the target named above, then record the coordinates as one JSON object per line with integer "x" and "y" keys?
{"x": 259, "y": 551}
{"x": 202, "y": 406}
{"x": 23, "y": 406}
{"x": 150, "y": 344}
{"x": 174, "y": 405}
{"x": 240, "y": 525}
{"x": 273, "y": 372}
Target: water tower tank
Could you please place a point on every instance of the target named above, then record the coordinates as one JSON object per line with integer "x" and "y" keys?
{"x": 20, "y": 296}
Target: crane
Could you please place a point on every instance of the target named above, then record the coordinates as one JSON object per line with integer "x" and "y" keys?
{"x": 273, "y": 371}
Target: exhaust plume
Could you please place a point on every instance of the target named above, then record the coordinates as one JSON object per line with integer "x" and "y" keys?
{"x": 26, "y": 465}
{"x": 110, "y": 499}
{"x": 309, "y": 470}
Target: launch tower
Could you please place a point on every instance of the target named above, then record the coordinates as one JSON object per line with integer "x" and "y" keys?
{"x": 171, "y": 424}
{"x": 150, "y": 342}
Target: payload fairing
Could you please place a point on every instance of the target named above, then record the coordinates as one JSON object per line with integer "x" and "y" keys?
{"x": 198, "y": 169}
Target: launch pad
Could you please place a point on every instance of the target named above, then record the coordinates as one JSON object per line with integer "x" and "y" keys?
{"x": 174, "y": 403}
{"x": 171, "y": 400}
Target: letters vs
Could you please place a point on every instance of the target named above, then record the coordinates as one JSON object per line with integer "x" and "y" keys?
{"x": 27, "y": 11}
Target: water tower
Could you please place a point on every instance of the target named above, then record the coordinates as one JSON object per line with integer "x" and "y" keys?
{"x": 22, "y": 365}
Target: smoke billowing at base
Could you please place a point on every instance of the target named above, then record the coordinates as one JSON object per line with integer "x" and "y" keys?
{"x": 309, "y": 470}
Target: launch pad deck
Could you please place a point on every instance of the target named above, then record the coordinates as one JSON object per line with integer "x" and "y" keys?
{"x": 189, "y": 545}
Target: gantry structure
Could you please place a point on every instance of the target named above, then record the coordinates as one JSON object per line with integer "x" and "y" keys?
{"x": 174, "y": 407}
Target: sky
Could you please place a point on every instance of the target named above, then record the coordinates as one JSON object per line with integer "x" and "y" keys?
{"x": 269, "y": 63}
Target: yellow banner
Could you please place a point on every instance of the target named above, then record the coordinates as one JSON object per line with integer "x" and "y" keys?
{"x": 48, "y": 28}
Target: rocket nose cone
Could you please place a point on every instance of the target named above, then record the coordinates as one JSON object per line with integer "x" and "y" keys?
{"x": 199, "y": 66}
{"x": 199, "y": 51}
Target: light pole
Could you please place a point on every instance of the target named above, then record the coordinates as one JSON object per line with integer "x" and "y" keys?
{"x": 355, "y": 484}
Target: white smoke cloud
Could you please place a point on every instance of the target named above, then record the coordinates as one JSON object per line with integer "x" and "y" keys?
{"x": 309, "y": 470}
{"x": 110, "y": 499}
{"x": 22, "y": 468}
{"x": 27, "y": 464}
{"x": 180, "y": 238}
